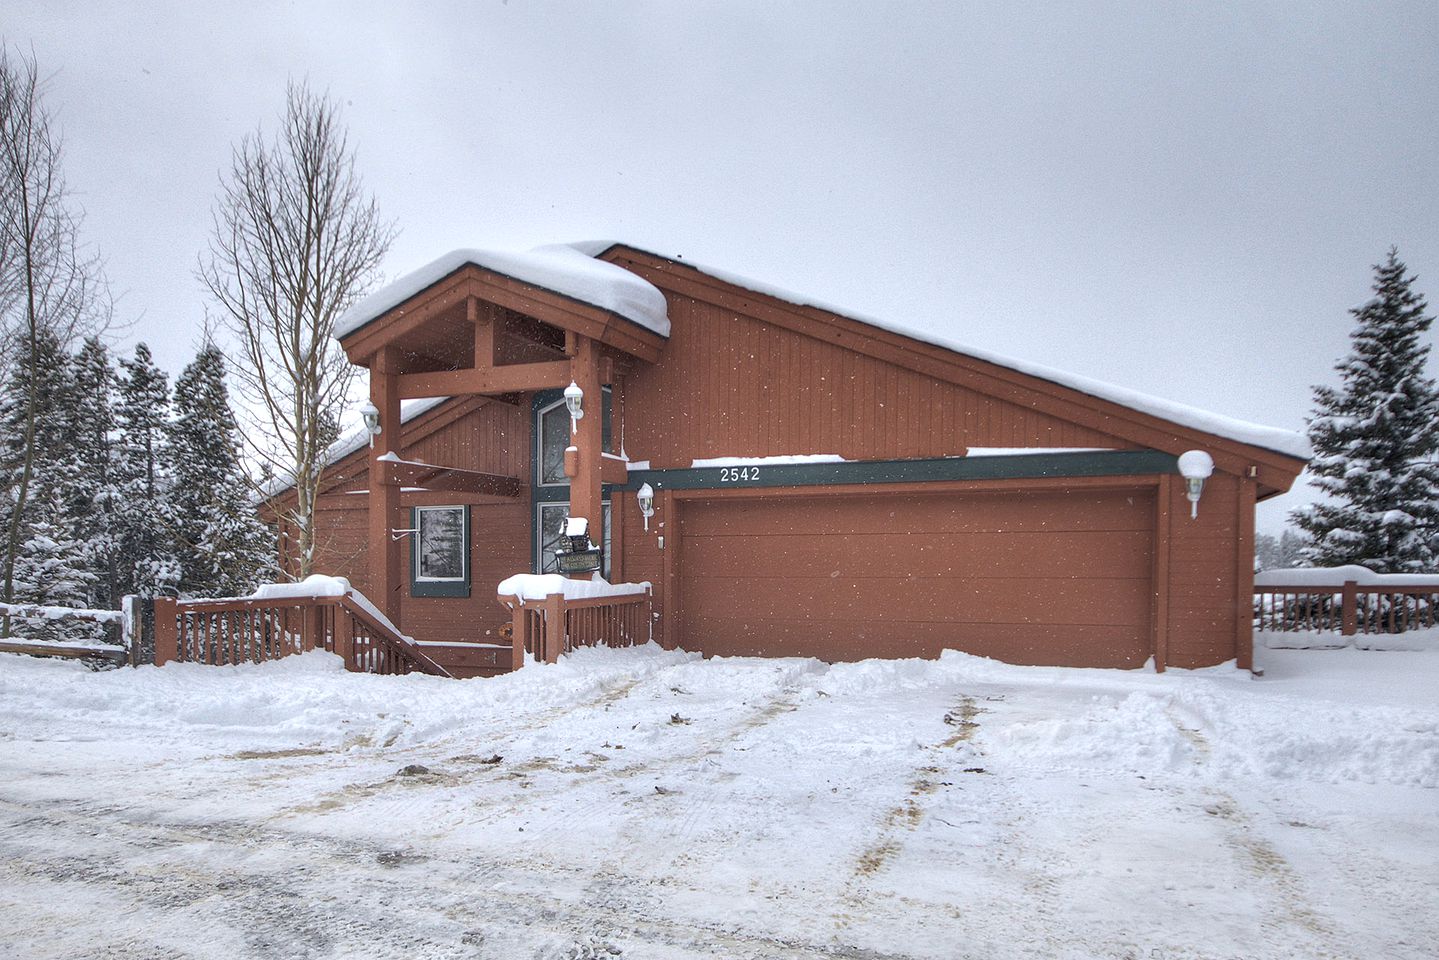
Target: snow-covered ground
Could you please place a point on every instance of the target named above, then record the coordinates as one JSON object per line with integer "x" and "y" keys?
{"x": 638, "y": 803}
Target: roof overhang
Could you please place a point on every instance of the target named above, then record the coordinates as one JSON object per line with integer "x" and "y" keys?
{"x": 629, "y": 320}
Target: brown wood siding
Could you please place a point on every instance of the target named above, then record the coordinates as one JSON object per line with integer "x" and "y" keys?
{"x": 1060, "y": 578}
{"x": 876, "y": 571}
{"x": 731, "y": 385}
{"x": 1202, "y": 573}
{"x": 494, "y": 438}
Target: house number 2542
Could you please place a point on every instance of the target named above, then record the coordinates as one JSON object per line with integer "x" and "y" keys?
{"x": 739, "y": 474}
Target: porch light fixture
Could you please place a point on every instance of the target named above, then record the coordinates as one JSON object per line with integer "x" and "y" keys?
{"x": 646, "y": 496}
{"x": 574, "y": 397}
{"x": 1195, "y": 466}
{"x": 371, "y": 415}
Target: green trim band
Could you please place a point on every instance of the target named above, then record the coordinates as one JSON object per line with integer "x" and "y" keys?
{"x": 1086, "y": 463}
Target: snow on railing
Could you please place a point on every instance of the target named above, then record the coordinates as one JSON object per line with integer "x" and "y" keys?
{"x": 1348, "y": 600}
{"x": 278, "y": 620}
{"x": 552, "y": 614}
{"x": 127, "y": 618}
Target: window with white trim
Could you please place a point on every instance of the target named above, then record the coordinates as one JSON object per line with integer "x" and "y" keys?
{"x": 440, "y": 559}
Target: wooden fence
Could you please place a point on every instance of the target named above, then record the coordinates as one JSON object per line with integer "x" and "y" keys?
{"x": 546, "y": 628}
{"x": 221, "y": 632}
{"x": 127, "y": 619}
{"x": 1349, "y": 609}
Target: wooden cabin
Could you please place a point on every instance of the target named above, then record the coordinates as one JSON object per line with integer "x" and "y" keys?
{"x": 823, "y": 485}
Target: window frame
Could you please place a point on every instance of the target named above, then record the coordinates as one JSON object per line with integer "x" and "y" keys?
{"x": 440, "y": 586}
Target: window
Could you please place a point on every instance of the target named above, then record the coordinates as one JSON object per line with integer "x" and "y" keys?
{"x": 440, "y": 560}
{"x": 553, "y": 428}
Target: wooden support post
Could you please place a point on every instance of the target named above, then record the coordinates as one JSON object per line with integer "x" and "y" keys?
{"x": 482, "y": 318}
{"x": 669, "y": 564}
{"x": 519, "y": 625}
{"x": 554, "y": 608}
{"x": 1160, "y": 586}
{"x": 167, "y": 635}
{"x": 312, "y": 626}
{"x": 385, "y": 516}
{"x": 131, "y": 628}
{"x": 1244, "y": 578}
{"x": 585, "y": 489}
{"x": 345, "y": 637}
{"x": 1350, "y": 609}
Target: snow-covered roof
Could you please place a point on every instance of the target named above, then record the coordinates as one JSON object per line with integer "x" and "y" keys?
{"x": 1288, "y": 442}
{"x": 567, "y": 269}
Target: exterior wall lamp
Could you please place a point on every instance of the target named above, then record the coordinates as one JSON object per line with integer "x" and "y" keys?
{"x": 371, "y": 415}
{"x": 1195, "y": 466}
{"x": 646, "y": 496}
{"x": 574, "y": 398}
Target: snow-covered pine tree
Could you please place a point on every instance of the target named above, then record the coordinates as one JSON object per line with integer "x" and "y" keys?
{"x": 221, "y": 547}
{"x": 1375, "y": 438}
{"x": 90, "y": 502}
{"x": 37, "y": 428}
{"x": 139, "y": 488}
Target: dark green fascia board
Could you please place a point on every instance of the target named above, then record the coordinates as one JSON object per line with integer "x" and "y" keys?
{"x": 1088, "y": 463}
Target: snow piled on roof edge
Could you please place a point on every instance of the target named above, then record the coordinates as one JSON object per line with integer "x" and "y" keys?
{"x": 1290, "y": 443}
{"x": 562, "y": 268}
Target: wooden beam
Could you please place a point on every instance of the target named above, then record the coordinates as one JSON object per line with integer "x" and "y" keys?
{"x": 1244, "y": 578}
{"x": 1160, "y": 584}
{"x": 407, "y": 473}
{"x": 40, "y": 648}
{"x": 483, "y": 318}
{"x": 513, "y": 378}
{"x": 385, "y": 510}
{"x": 585, "y": 486}
{"x": 614, "y": 471}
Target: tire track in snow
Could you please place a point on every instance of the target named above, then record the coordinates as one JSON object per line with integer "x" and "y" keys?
{"x": 1260, "y": 859}
{"x": 318, "y": 896}
{"x": 441, "y": 751}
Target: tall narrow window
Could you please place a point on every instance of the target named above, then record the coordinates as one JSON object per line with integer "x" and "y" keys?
{"x": 440, "y": 560}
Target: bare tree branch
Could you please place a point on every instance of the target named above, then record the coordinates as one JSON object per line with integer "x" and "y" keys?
{"x": 295, "y": 242}
{"x": 50, "y": 285}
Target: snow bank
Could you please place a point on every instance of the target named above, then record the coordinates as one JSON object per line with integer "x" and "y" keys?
{"x": 537, "y": 586}
{"x": 1411, "y": 640}
{"x": 560, "y": 268}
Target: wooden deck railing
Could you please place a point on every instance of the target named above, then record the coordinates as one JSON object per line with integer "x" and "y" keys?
{"x": 126, "y": 619}
{"x": 1348, "y": 609}
{"x": 250, "y": 631}
{"x": 546, "y": 628}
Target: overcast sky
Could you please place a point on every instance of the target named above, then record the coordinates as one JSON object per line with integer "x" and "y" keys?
{"x": 1180, "y": 199}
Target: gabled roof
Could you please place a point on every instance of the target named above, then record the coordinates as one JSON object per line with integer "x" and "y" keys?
{"x": 561, "y": 269}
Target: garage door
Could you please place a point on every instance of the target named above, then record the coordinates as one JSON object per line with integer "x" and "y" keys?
{"x": 1039, "y": 578}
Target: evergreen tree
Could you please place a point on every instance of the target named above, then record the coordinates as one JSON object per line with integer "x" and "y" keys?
{"x": 139, "y": 488}
{"x": 221, "y": 547}
{"x": 38, "y": 423}
{"x": 1375, "y": 439}
{"x": 91, "y": 504}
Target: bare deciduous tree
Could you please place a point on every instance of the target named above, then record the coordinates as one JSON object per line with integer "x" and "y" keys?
{"x": 296, "y": 241}
{"x": 50, "y": 286}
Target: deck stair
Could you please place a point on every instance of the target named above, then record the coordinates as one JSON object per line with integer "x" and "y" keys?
{"x": 292, "y": 620}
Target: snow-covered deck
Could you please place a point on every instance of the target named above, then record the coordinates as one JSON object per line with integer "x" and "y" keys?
{"x": 636, "y": 803}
